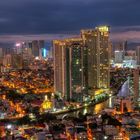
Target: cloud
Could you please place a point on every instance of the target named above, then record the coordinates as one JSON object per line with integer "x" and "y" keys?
{"x": 131, "y": 36}
{"x": 20, "y": 38}
{"x": 3, "y": 20}
{"x": 130, "y": 33}
{"x": 51, "y": 19}
{"x": 62, "y": 16}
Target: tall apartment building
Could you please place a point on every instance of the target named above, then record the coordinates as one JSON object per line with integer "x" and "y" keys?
{"x": 98, "y": 57}
{"x": 69, "y": 73}
{"x": 82, "y": 63}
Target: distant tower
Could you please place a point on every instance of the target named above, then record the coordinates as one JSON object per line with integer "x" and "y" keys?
{"x": 119, "y": 56}
{"x": 125, "y": 46}
{"x": 35, "y": 48}
{"x": 17, "y": 61}
{"x": 1, "y": 52}
{"x": 138, "y": 55}
{"x": 7, "y": 50}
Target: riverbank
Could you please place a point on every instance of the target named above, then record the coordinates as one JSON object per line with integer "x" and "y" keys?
{"x": 78, "y": 107}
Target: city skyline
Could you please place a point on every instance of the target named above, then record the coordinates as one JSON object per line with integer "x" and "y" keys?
{"x": 69, "y": 70}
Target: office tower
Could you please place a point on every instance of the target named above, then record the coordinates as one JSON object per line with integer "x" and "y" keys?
{"x": 7, "y": 50}
{"x": 41, "y": 44}
{"x": 35, "y": 46}
{"x": 1, "y": 52}
{"x": 42, "y": 53}
{"x": 98, "y": 57}
{"x": 26, "y": 57}
{"x": 7, "y": 60}
{"x": 18, "y": 48}
{"x": 17, "y": 61}
{"x": 50, "y": 53}
{"x": 119, "y": 56}
{"x": 138, "y": 55}
{"x": 22, "y": 52}
{"x": 125, "y": 45}
{"x": 69, "y": 76}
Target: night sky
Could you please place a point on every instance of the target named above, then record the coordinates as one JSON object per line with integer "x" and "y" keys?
{"x": 54, "y": 18}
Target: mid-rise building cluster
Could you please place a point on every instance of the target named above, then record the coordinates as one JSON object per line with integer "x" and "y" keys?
{"x": 123, "y": 57}
{"x": 22, "y": 55}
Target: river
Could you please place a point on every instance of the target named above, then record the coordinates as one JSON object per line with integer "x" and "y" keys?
{"x": 92, "y": 109}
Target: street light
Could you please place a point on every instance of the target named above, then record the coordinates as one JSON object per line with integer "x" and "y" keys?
{"x": 105, "y": 137}
{"x": 9, "y": 126}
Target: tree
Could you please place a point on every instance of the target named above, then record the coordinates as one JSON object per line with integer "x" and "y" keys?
{"x": 14, "y": 96}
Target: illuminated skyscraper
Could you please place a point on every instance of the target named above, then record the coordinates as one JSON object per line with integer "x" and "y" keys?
{"x": 43, "y": 53}
{"x": 98, "y": 57}
{"x": 69, "y": 75}
{"x": 35, "y": 46}
{"x": 82, "y": 63}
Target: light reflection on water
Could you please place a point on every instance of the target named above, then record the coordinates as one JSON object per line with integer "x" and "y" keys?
{"x": 99, "y": 107}
{"x": 94, "y": 109}
{"x": 110, "y": 102}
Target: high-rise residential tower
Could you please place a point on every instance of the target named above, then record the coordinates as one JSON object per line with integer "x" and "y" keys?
{"x": 69, "y": 73}
{"x": 82, "y": 64}
{"x": 98, "y": 57}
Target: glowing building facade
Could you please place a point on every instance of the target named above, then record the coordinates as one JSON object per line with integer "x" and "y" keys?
{"x": 82, "y": 64}
{"x": 69, "y": 75}
{"x": 98, "y": 56}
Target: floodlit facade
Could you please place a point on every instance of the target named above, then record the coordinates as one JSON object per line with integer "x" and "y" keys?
{"x": 69, "y": 76}
{"x": 97, "y": 42}
{"x": 82, "y": 64}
